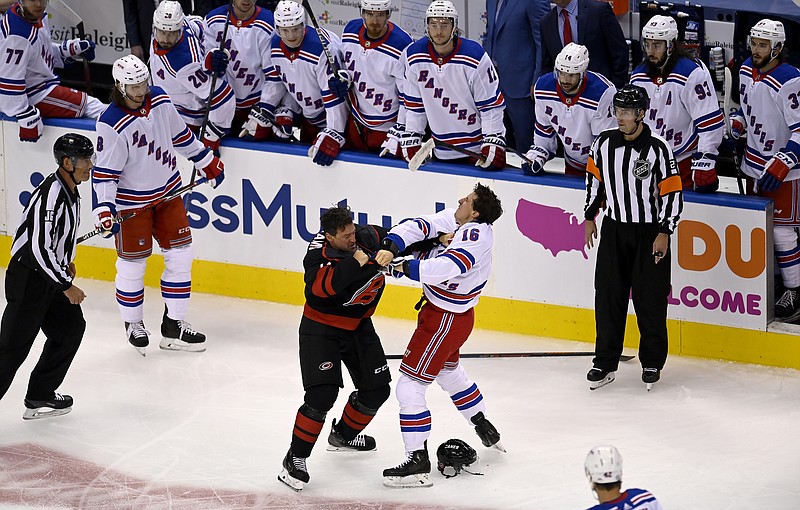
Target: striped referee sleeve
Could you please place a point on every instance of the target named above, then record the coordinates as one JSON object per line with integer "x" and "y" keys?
{"x": 670, "y": 195}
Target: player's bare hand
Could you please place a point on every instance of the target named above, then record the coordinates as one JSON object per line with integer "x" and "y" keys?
{"x": 590, "y": 233}
{"x": 75, "y": 295}
{"x": 445, "y": 239}
{"x": 361, "y": 257}
{"x": 71, "y": 270}
{"x": 660, "y": 247}
{"x": 383, "y": 257}
{"x": 138, "y": 51}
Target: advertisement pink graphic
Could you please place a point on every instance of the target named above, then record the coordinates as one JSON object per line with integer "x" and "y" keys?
{"x": 554, "y": 228}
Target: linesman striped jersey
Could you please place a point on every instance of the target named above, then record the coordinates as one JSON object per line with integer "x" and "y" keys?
{"x": 631, "y": 499}
{"x": 45, "y": 239}
{"x": 639, "y": 180}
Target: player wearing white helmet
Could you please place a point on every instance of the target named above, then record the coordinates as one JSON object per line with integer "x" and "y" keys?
{"x": 603, "y": 469}
{"x": 573, "y": 104}
{"x": 248, "y": 41}
{"x": 179, "y": 66}
{"x": 29, "y": 89}
{"x": 770, "y": 114}
{"x": 139, "y": 137}
{"x": 683, "y": 105}
{"x": 298, "y": 67}
{"x": 451, "y": 86}
{"x": 372, "y": 46}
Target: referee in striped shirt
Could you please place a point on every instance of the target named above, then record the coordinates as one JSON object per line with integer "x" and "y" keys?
{"x": 632, "y": 172}
{"x": 39, "y": 288}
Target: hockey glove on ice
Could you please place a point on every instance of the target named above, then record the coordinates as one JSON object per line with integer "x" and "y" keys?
{"x": 776, "y": 171}
{"x": 738, "y": 126}
{"x": 326, "y": 147}
{"x": 340, "y": 83}
{"x": 104, "y": 215}
{"x": 538, "y": 156}
{"x": 30, "y": 125}
{"x": 257, "y": 126}
{"x": 705, "y": 173}
{"x": 493, "y": 149}
{"x": 216, "y": 62}
{"x": 391, "y": 146}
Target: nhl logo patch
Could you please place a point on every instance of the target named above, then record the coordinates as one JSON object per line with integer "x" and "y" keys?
{"x": 641, "y": 169}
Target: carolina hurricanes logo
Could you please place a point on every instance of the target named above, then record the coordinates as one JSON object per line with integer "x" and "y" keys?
{"x": 326, "y": 365}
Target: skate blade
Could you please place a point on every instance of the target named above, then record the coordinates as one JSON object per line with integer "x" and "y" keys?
{"x": 293, "y": 483}
{"x": 141, "y": 350}
{"x": 602, "y": 382}
{"x": 347, "y": 449}
{"x": 173, "y": 344}
{"x": 44, "y": 412}
{"x": 499, "y": 446}
{"x": 649, "y": 386}
{"x": 408, "y": 482}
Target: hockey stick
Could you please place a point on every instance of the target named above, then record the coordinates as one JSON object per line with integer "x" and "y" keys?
{"x": 76, "y": 20}
{"x": 332, "y": 63}
{"x": 549, "y": 354}
{"x": 137, "y": 212}
{"x": 207, "y": 112}
{"x": 424, "y": 153}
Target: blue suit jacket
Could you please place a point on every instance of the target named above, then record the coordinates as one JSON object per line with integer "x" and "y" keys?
{"x": 514, "y": 44}
{"x": 599, "y": 31}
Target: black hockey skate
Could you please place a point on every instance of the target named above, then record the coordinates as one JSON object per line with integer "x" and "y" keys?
{"x": 178, "y": 335}
{"x": 294, "y": 473}
{"x": 489, "y": 435}
{"x": 598, "y": 378}
{"x": 413, "y": 472}
{"x": 787, "y": 307}
{"x": 138, "y": 337}
{"x": 650, "y": 376}
{"x": 361, "y": 443}
{"x": 56, "y": 406}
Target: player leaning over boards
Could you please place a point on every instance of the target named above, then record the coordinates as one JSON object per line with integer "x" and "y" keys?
{"x": 452, "y": 278}
{"x": 29, "y": 90}
{"x": 632, "y": 171}
{"x": 139, "y": 137}
{"x": 770, "y": 95}
{"x": 451, "y": 86}
{"x": 603, "y": 468}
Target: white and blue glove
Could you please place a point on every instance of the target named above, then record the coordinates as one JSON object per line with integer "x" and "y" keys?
{"x": 339, "y": 84}
{"x": 538, "y": 156}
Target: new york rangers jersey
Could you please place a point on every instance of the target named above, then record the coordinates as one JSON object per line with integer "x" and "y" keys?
{"x": 631, "y": 499}
{"x": 179, "y": 71}
{"x": 304, "y": 72}
{"x": 683, "y": 108}
{"x": 576, "y": 119}
{"x": 137, "y": 152}
{"x": 249, "y": 44}
{"x": 377, "y": 74}
{"x": 28, "y": 56}
{"x": 452, "y": 277}
{"x": 771, "y": 108}
{"x": 457, "y": 95}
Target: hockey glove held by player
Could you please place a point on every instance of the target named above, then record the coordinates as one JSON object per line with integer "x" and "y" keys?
{"x": 493, "y": 148}
{"x": 212, "y": 136}
{"x": 391, "y": 146}
{"x": 738, "y": 126}
{"x": 257, "y": 126}
{"x": 104, "y": 215}
{"x": 409, "y": 144}
{"x": 210, "y": 166}
{"x": 704, "y": 172}
{"x": 283, "y": 123}
{"x": 776, "y": 171}
{"x": 216, "y": 62}
{"x": 538, "y": 156}
{"x": 339, "y": 84}
{"x": 74, "y": 47}
{"x": 30, "y": 125}
{"x": 326, "y": 147}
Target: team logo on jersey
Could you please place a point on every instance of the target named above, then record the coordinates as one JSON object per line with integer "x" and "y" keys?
{"x": 326, "y": 365}
{"x": 641, "y": 169}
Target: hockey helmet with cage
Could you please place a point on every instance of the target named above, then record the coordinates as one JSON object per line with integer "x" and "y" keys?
{"x": 376, "y": 5}
{"x": 603, "y": 465}
{"x": 168, "y": 16}
{"x": 72, "y": 145}
{"x": 661, "y": 28}
{"x": 770, "y": 30}
{"x": 442, "y": 9}
{"x": 289, "y": 14}
{"x": 632, "y": 96}
{"x": 453, "y": 456}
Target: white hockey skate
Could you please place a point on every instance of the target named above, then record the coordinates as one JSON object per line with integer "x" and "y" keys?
{"x": 178, "y": 335}
{"x": 59, "y": 405}
{"x": 598, "y": 378}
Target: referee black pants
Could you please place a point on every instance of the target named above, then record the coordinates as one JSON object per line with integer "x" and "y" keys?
{"x": 34, "y": 304}
{"x": 626, "y": 267}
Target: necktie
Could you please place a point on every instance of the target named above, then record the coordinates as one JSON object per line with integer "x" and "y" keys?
{"x": 567, "y": 28}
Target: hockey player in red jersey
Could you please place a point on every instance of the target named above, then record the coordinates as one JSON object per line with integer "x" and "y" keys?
{"x": 603, "y": 468}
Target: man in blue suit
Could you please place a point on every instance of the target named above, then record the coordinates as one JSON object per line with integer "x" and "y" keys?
{"x": 514, "y": 45}
{"x": 592, "y": 24}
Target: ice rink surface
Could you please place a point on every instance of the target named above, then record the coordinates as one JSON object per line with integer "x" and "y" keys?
{"x": 183, "y": 430}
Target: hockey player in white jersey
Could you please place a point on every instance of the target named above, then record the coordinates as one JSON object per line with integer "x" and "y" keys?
{"x": 372, "y": 47}
{"x": 298, "y": 65}
{"x": 452, "y": 278}
{"x": 603, "y": 468}
{"x": 179, "y": 66}
{"x": 683, "y": 105}
{"x": 451, "y": 86}
{"x": 29, "y": 90}
{"x": 572, "y": 104}
{"x": 770, "y": 114}
{"x": 248, "y": 41}
{"x": 139, "y": 137}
